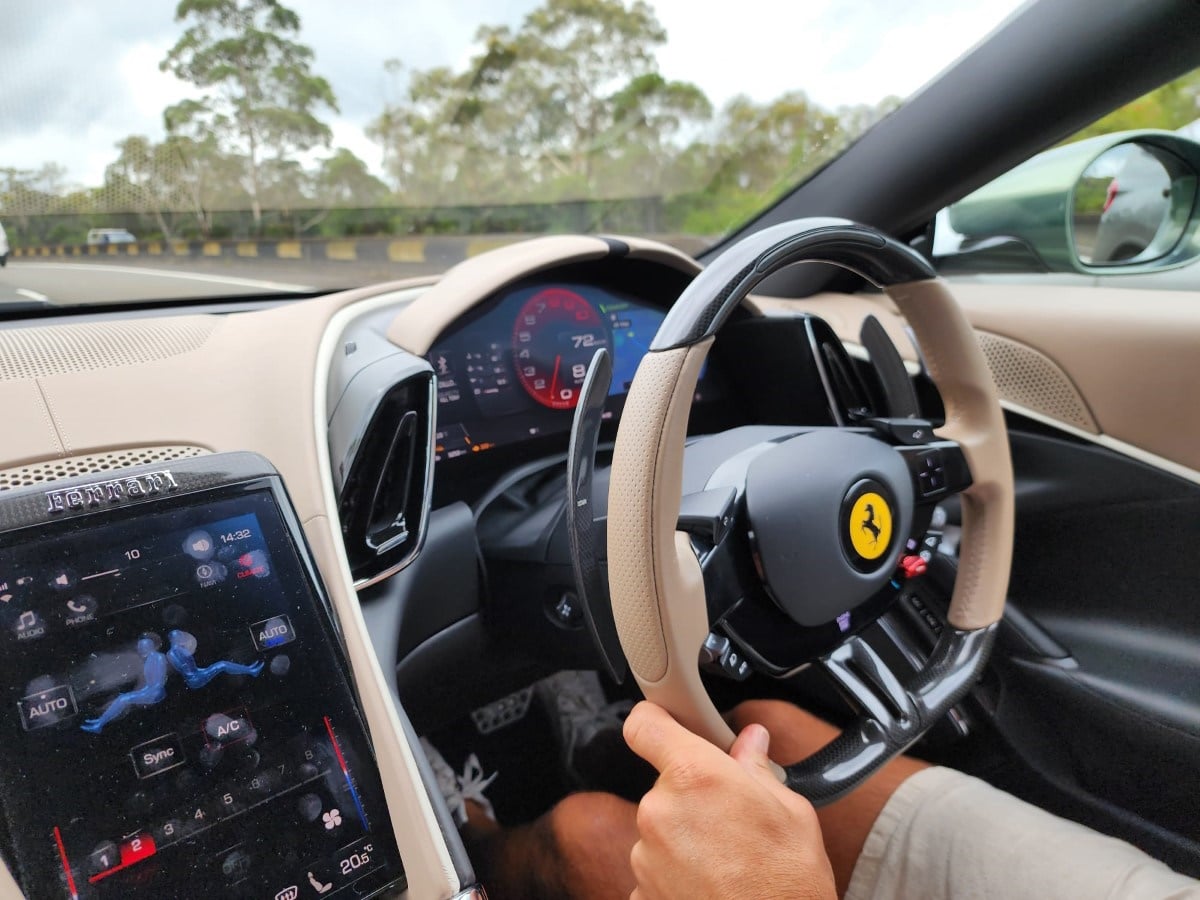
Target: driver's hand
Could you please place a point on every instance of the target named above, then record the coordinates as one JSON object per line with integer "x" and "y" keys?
{"x": 718, "y": 825}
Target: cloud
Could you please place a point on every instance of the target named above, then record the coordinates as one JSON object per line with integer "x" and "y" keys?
{"x": 839, "y": 52}
{"x": 78, "y": 77}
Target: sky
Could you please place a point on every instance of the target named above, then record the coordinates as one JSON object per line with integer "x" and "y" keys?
{"x": 76, "y": 76}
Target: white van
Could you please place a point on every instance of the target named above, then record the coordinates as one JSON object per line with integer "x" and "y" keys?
{"x": 110, "y": 236}
{"x": 3, "y": 246}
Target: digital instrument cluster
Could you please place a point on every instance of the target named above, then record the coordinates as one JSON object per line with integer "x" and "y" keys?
{"x": 515, "y": 372}
{"x": 177, "y": 718}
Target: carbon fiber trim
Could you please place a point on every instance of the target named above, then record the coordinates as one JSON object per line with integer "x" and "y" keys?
{"x": 708, "y": 301}
{"x": 88, "y": 494}
{"x": 893, "y": 715}
{"x": 581, "y": 524}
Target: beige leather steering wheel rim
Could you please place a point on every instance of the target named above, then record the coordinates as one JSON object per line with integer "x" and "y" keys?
{"x": 655, "y": 580}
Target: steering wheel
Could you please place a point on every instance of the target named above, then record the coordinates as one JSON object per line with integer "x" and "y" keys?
{"x": 814, "y": 508}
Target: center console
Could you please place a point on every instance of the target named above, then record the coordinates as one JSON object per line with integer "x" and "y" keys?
{"x": 177, "y": 714}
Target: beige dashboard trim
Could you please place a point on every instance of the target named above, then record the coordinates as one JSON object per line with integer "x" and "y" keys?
{"x": 1108, "y": 442}
{"x": 427, "y": 863}
{"x": 419, "y": 324}
{"x": 468, "y": 284}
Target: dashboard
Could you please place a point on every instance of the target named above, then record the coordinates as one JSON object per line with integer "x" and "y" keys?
{"x": 512, "y": 372}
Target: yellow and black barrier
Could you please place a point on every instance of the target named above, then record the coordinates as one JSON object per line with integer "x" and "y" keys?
{"x": 436, "y": 251}
{"x": 413, "y": 250}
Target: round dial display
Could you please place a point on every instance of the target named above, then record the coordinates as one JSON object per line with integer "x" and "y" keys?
{"x": 554, "y": 338}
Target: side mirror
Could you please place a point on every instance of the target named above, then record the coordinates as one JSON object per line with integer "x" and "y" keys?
{"x": 1116, "y": 203}
{"x": 1131, "y": 205}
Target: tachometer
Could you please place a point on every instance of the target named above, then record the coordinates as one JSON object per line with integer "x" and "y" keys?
{"x": 555, "y": 335}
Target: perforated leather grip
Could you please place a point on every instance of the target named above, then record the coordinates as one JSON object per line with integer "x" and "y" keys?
{"x": 649, "y": 562}
{"x": 973, "y": 419}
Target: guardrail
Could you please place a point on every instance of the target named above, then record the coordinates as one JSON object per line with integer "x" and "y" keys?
{"x": 438, "y": 251}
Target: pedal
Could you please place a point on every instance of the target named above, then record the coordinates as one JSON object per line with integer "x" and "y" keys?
{"x": 504, "y": 711}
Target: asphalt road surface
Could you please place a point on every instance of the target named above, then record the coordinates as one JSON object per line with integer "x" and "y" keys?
{"x": 96, "y": 281}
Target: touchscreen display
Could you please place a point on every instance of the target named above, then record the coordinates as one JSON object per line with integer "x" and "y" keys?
{"x": 176, "y": 718}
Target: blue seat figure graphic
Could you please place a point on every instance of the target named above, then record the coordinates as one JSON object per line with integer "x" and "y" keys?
{"x": 182, "y": 655}
{"x": 157, "y": 666}
{"x": 153, "y": 689}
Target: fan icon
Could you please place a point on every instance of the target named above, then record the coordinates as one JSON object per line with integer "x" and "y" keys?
{"x": 332, "y": 819}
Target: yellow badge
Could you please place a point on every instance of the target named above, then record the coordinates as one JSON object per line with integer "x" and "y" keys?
{"x": 870, "y": 526}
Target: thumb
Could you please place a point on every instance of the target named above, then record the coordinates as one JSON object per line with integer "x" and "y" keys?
{"x": 750, "y": 752}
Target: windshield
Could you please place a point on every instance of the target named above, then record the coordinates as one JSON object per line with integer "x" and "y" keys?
{"x": 237, "y": 145}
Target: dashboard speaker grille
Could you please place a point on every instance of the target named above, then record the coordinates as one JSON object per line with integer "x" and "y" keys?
{"x": 42, "y": 352}
{"x": 1031, "y": 379}
{"x": 57, "y": 469}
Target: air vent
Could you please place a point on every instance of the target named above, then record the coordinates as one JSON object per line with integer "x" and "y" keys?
{"x": 384, "y": 500}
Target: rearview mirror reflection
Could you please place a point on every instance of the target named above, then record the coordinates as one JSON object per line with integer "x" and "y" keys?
{"x": 1131, "y": 205}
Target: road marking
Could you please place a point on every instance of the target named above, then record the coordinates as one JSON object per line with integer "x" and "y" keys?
{"x": 32, "y": 295}
{"x": 186, "y": 276}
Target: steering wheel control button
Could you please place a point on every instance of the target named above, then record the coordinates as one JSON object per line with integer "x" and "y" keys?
{"x": 157, "y": 756}
{"x": 912, "y": 566}
{"x": 925, "y": 614}
{"x": 49, "y": 707}
{"x": 821, "y": 551}
{"x": 931, "y": 473}
{"x": 903, "y": 431}
{"x": 720, "y": 655}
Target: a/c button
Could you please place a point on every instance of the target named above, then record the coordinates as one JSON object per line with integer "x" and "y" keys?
{"x": 157, "y": 756}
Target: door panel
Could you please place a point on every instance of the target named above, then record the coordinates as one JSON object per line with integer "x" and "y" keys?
{"x": 1091, "y": 707}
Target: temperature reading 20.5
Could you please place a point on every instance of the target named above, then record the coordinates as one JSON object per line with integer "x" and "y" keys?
{"x": 357, "y": 859}
{"x": 556, "y": 333}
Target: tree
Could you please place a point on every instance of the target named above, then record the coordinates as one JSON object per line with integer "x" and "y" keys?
{"x": 340, "y": 182}
{"x": 570, "y": 105}
{"x": 140, "y": 180}
{"x": 209, "y": 179}
{"x": 1171, "y": 106}
{"x": 344, "y": 180}
{"x": 30, "y": 198}
{"x": 261, "y": 97}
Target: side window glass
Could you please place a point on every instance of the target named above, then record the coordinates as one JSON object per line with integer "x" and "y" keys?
{"x": 1117, "y": 199}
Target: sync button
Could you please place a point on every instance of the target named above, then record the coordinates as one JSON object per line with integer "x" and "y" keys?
{"x": 157, "y": 756}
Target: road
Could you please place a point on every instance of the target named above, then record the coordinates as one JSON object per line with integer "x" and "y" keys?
{"x": 96, "y": 281}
